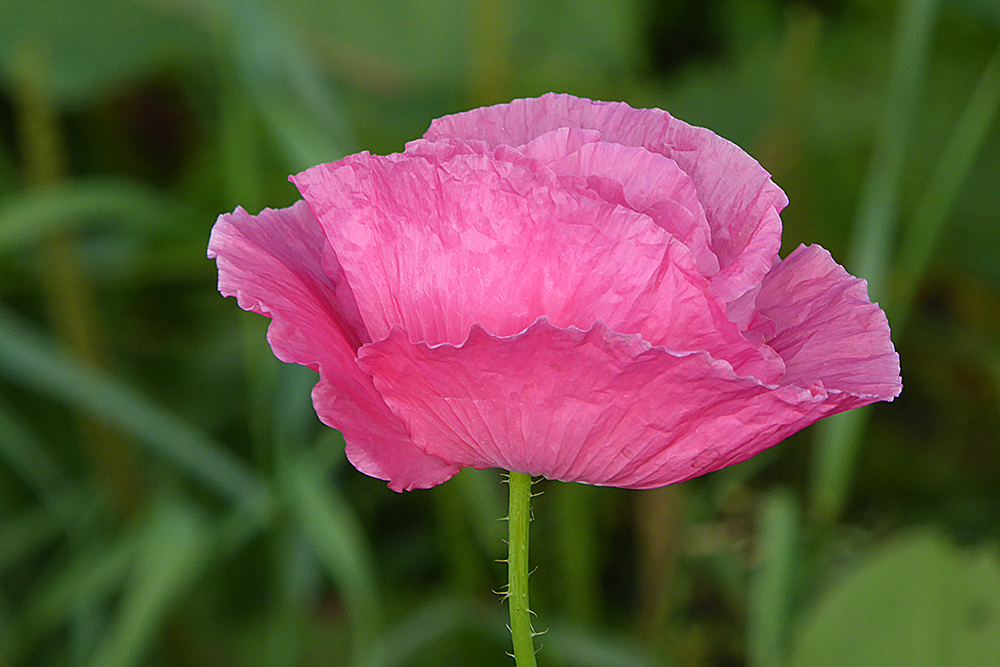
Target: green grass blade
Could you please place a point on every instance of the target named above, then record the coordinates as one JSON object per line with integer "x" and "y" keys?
{"x": 877, "y": 211}
{"x": 33, "y": 215}
{"x": 839, "y": 437}
{"x": 298, "y": 106}
{"x": 91, "y": 576}
{"x": 24, "y": 535}
{"x": 575, "y": 506}
{"x": 585, "y": 648}
{"x": 172, "y": 554}
{"x": 838, "y": 440}
{"x": 924, "y": 229}
{"x": 9, "y": 178}
{"x": 24, "y": 453}
{"x": 483, "y": 497}
{"x": 430, "y": 624}
{"x": 99, "y": 47}
{"x": 335, "y": 533}
{"x": 772, "y": 582}
{"x": 298, "y": 585}
{"x": 82, "y": 587}
{"x": 28, "y": 360}
{"x": 294, "y": 419}
{"x": 463, "y": 564}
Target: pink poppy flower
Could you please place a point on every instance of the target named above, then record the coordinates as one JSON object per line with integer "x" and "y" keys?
{"x": 570, "y": 289}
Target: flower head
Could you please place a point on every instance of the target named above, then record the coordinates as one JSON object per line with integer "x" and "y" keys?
{"x": 572, "y": 289}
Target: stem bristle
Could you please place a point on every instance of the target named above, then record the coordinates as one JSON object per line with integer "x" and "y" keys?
{"x": 520, "y": 516}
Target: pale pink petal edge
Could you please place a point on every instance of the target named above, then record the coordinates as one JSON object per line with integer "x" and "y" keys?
{"x": 824, "y": 324}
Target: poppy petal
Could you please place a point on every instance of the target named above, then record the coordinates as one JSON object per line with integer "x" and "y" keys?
{"x": 590, "y": 406}
{"x": 825, "y": 326}
{"x": 278, "y": 264}
{"x": 433, "y": 247}
{"x": 740, "y": 201}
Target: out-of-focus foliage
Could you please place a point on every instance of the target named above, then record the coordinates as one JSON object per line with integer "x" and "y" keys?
{"x": 919, "y": 600}
{"x": 167, "y": 496}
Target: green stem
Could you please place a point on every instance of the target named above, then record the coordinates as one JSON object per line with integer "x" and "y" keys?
{"x": 517, "y": 569}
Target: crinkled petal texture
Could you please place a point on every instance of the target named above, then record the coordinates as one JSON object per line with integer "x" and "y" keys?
{"x": 278, "y": 264}
{"x": 740, "y": 202}
{"x": 565, "y": 288}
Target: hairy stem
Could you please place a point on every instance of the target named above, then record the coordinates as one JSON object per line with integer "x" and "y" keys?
{"x": 517, "y": 569}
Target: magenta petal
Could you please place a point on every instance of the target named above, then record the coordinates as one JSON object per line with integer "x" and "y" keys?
{"x": 635, "y": 178}
{"x": 433, "y": 244}
{"x": 622, "y": 175}
{"x": 678, "y": 311}
{"x": 278, "y": 264}
{"x": 826, "y": 327}
{"x": 589, "y": 406}
{"x": 573, "y": 289}
{"x": 434, "y": 247}
{"x": 740, "y": 200}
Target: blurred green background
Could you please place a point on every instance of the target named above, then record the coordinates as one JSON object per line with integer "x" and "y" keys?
{"x": 167, "y": 496}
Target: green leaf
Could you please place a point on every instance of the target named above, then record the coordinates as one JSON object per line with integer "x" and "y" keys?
{"x": 95, "y": 570}
{"x": 23, "y": 535}
{"x": 25, "y": 453}
{"x": 172, "y": 554}
{"x": 28, "y": 360}
{"x": 297, "y": 104}
{"x": 335, "y": 533}
{"x": 919, "y": 600}
{"x": 91, "y": 46}
{"x": 33, "y": 215}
